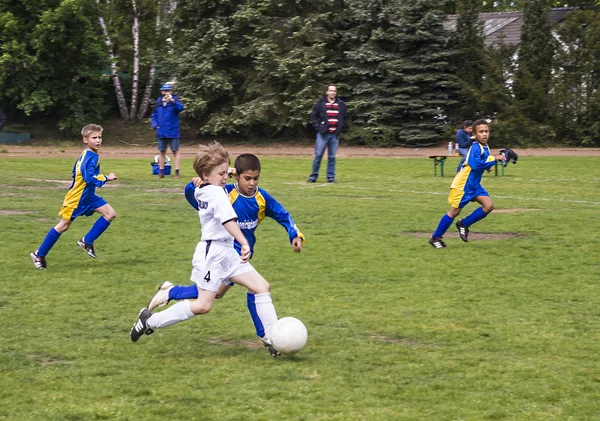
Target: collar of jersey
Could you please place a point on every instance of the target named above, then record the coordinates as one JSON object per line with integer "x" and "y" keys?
{"x": 241, "y": 194}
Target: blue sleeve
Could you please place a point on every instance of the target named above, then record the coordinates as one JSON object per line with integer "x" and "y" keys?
{"x": 463, "y": 139}
{"x": 88, "y": 171}
{"x": 276, "y": 211}
{"x": 189, "y": 195}
{"x": 478, "y": 160}
{"x": 178, "y": 105}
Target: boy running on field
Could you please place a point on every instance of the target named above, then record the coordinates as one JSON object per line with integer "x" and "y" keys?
{"x": 251, "y": 204}
{"x": 466, "y": 187}
{"x": 81, "y": 199}
{"x": 215, "y": 260}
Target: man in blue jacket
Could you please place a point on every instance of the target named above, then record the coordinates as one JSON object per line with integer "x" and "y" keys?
{"x": 165, "y": 120}
{"x": 329, "y": 118}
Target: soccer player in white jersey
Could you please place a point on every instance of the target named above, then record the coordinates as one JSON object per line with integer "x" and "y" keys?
{"x": 215, "y": 260}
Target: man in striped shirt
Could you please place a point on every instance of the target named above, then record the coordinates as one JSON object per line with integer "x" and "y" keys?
{"x": 329, "y": 118}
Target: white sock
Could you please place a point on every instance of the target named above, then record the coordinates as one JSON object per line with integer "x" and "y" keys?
{"x": 174, "y": 314}
{"x": 266, "y": 311}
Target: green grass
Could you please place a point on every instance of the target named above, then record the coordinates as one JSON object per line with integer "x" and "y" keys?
{"x": 502, "y": 329}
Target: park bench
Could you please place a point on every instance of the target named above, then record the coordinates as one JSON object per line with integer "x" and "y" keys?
{"x": 439, "y": 160}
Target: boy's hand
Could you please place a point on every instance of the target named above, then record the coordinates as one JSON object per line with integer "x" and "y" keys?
{"x": 297, "y": 243}
{"x": 231, "y": 172}
{"x": 197, "y": 181}
{"x": 245, "y": 253}
{"x": 111, "y": 176}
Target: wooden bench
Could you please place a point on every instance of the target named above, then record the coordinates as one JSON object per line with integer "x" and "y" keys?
{"x": 439, "y": 160}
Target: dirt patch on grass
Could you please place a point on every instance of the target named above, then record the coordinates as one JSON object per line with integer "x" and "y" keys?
{"x": 515, "y": 210}
{"x": 472, "y": 235}
{"x": 14, "y": 212}
{"x": 252, "y": 344}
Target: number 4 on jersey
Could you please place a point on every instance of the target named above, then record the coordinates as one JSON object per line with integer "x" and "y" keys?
{"x": 207, "y": 277}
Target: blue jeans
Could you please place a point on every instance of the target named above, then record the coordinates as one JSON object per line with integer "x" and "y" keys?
{"x": 463, "y": 152}
{"x": 331, "y": 141}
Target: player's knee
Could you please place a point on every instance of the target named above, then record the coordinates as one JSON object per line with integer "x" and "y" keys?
{"x": 488, "y": 208}
{"x": 200, "y": 308}
{"x": 263, "y": 287}
{"x": 110, "y": 216}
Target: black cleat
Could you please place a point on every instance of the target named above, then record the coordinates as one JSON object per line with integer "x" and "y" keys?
{"x": 38, "y": 261}
{"x": 140, "y": 327}
{"x": 331, "y": 180}
{"x": 463, "y": 231}
{"x": 437, "y": 243}
{"x": 311, "y": 180}
{"x": 274, "y": 353}
{"x": 88, "y": 248}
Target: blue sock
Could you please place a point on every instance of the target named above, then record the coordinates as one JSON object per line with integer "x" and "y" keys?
{"x": 97, "y": 229}
{"x": 443, "y": 226}
{"x": 260, "y": 329}
{"x": 51, "y": 239}
{"x": 477, "y": 215}
{"x": 180, "y": 292}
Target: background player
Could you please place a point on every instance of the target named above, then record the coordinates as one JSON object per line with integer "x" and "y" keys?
{"x": 81, "y": 199}
{"x": 251, "y": 204}
{"x": 466, "y": 187}
{"x": 215, "y": 260}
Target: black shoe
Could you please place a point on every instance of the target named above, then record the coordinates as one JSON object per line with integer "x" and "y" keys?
{"x": 274, "y": 353}
{"x": 331, "y": 180}
{"x": 88, "y": 248}
{"x": 38, "y": 261}
{"x": 463, "y": 231}
{"x": 311, "y": 180}
{"x": 141, "y": 325}
{"x": 437, "y": 243}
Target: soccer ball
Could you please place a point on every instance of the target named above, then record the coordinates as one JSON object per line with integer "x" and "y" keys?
{"x": 288, "y": 335}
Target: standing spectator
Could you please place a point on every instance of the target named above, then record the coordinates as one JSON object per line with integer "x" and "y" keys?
{"x": 329, "y": 117}
{"x": 464, "y": 139}
{"x": 2, "y": 120}
{"x": 165, "y": 120}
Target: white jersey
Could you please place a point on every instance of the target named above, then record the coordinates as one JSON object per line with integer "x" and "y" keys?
{"x": 214, "y": 209}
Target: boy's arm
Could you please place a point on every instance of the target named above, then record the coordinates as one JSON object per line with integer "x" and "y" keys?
{"x": 476, "y": 162}
{"x": 189, "y": 195}
{"x": 276, "y": 211}
{"x": 88, "y": 172}
{"x": 232, "y": 228}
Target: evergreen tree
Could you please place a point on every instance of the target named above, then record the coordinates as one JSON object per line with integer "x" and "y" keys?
{"x": 397, "y": 65}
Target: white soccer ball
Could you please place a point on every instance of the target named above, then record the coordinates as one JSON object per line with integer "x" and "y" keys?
{"x": 289, "y": 335}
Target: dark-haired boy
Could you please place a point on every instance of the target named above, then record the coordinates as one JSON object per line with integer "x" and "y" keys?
{"x": 251, "y": 204}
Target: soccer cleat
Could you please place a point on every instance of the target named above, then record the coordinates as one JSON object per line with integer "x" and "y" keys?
{"x": 161, "y": 298}
{"x": 463, "y": 231}
{"x": 38, "y": 261}
{"x": 140, "y": 327}
{"x": 437, "y": 243}
{"x": 88, "y": 248}
{"x": 274, "y": 353}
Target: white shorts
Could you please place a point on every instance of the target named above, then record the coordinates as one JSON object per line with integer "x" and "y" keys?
{"x": 216, "y": 262}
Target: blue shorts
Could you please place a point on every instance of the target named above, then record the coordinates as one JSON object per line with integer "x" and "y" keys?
{"x": 459, "y": 199}
{"x": 86, "y": 210}
{"x": 172, "y": 142}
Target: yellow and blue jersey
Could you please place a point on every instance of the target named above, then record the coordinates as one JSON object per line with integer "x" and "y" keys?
{"x": 251, "y": 211}
{"x": 81, "y": 198}
{"x": 467, "y": 183}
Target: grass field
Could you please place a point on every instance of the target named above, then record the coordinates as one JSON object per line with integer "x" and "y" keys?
{"x": 495, "y": 329}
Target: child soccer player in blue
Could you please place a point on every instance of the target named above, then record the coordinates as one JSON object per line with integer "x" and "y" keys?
{"x": 81, "y": 199}
{"x": 215, "y": 260}
{"x": 466, "y": 187}
{"x": 251, "y": 204}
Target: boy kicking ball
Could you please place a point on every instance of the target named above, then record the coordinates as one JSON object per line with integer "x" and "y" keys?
{"x": 215, "y": 260}
{"x": 466, "y": 187}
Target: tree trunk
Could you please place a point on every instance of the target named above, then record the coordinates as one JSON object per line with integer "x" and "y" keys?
{"x": 146, "y": 99}
{"x": 135, "y": 30}
{"x": 114, "y": 75}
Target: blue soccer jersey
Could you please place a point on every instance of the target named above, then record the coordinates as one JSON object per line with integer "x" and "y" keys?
{"x": 251, "y": 211}
{"x": 467, "y": 183}
{"x": 81, "y": 198}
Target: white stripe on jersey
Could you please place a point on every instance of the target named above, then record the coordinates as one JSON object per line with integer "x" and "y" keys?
{"x": 214, "y": 210}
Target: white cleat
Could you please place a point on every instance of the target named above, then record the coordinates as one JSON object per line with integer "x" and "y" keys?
{"x": 161, "y": 298}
